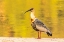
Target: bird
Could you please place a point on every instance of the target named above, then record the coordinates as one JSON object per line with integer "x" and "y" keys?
{"x": 38, "y": 25}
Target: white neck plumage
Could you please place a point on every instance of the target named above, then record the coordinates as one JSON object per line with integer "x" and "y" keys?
{"x": 32, "y": 16}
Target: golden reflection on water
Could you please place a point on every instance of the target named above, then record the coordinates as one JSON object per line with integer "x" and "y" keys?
{"x": 13, "y": 23}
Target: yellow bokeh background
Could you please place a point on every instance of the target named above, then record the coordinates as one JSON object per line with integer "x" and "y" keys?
{"x": 13, "y": 23}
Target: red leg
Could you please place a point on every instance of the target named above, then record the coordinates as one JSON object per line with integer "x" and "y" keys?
{"x": 39, "y": 34}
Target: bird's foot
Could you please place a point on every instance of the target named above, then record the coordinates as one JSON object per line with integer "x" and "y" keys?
{"x": 39, "y": 38}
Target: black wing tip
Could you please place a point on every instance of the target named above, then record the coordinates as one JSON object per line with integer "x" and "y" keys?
{"x": 49, "y": 34}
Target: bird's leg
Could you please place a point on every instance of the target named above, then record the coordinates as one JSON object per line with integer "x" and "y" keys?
{"x": 39, "y": 34}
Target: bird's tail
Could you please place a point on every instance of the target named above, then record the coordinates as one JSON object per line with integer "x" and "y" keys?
{"x": 49, "y": 33}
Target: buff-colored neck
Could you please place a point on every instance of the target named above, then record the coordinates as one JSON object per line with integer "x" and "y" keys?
{"x": 32, "y": 15}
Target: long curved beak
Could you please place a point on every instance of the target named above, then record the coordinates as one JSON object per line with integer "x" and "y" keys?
{"x": 29, "y": 10}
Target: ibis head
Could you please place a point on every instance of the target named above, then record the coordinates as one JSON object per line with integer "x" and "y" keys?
{"x": 29, "y": 10}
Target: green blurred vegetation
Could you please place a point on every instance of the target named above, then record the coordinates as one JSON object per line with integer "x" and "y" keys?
{"x": 13, "y": 23}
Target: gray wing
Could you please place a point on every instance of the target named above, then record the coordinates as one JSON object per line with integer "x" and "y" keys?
{"x": 40, "y": 26}
{"x": 34, "y": 26}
